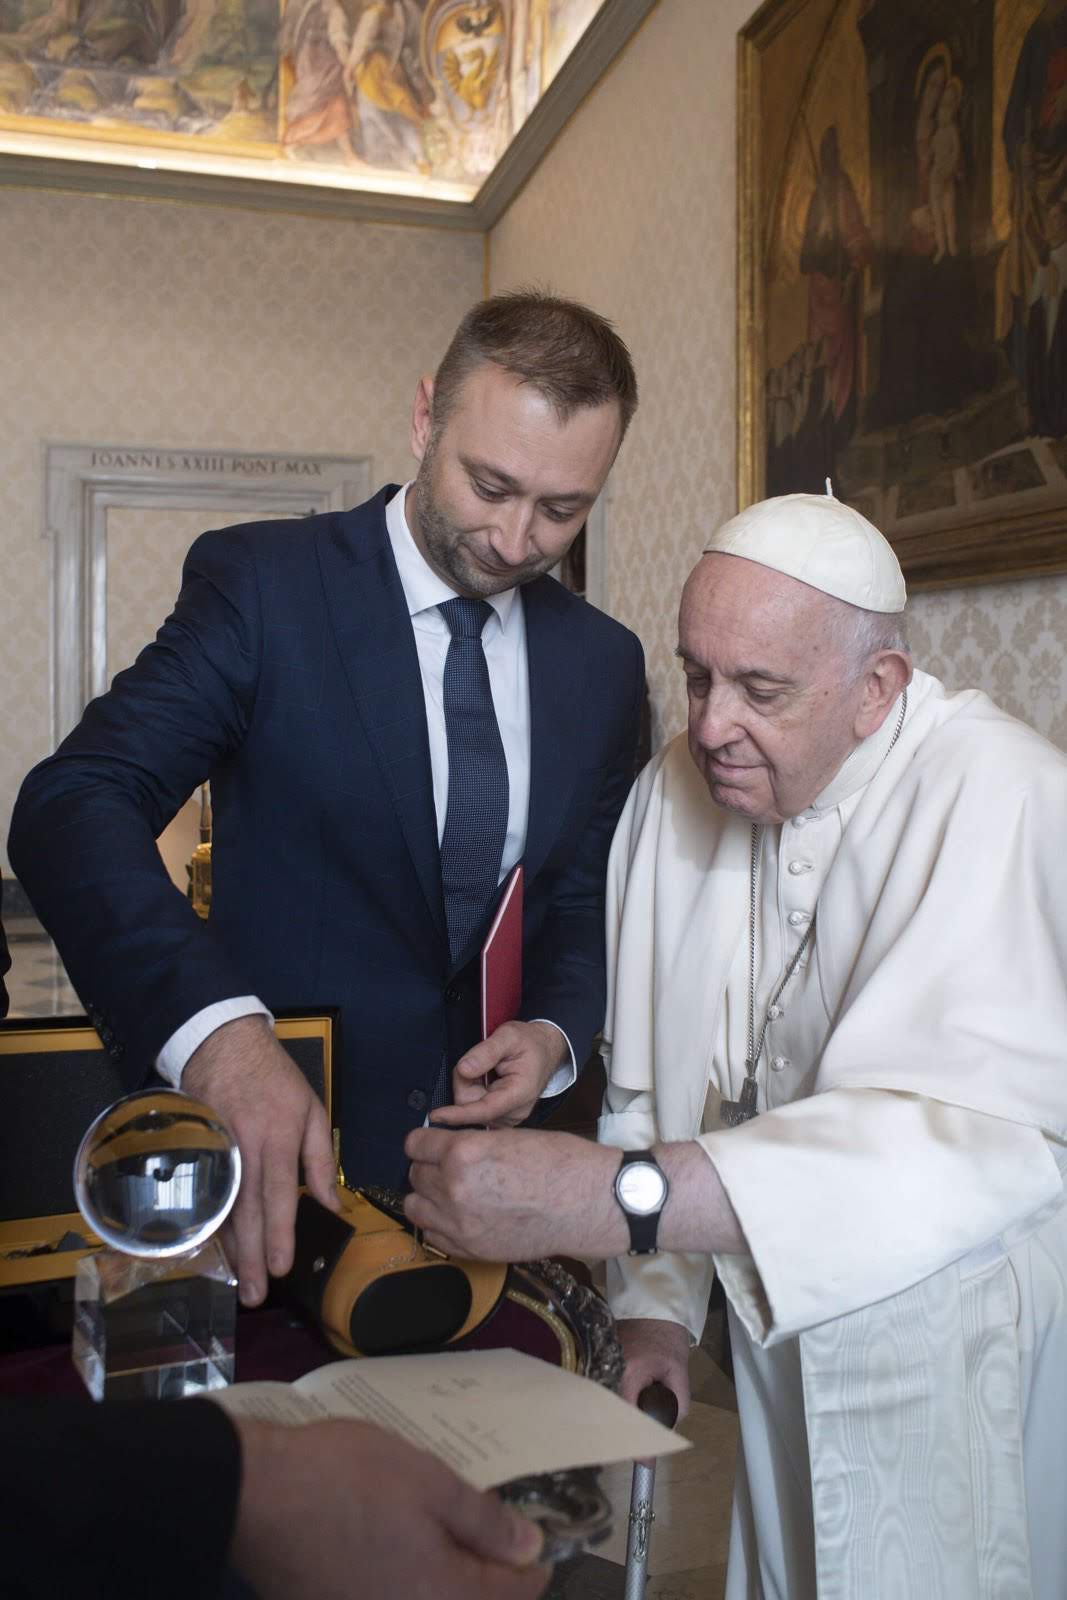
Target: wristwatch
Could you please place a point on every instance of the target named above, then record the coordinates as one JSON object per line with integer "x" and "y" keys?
{"x": 641, "y": 1188}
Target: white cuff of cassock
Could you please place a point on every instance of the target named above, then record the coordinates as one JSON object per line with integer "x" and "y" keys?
{"x": 171, "y": 1060}
{"x": 565, "y": 1075}
{"x": 854, "y": 1195}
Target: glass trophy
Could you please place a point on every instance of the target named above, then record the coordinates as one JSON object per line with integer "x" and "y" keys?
{"x": 155, "y": 1310}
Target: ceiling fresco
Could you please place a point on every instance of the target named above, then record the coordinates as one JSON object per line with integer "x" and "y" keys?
{"x": 403, "y": 97}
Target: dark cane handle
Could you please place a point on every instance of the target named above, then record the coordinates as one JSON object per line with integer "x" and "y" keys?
{"x": 659, "y": 1403}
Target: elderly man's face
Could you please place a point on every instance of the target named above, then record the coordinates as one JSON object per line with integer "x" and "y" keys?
{"x": 771, "y": 714}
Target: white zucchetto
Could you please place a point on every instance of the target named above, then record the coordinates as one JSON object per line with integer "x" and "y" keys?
{"x": 819, "y": 541}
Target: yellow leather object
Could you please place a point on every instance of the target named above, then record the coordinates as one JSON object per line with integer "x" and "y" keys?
{"x": 383, "y": 1246}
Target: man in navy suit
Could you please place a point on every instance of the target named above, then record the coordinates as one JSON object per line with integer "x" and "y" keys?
{"x": 306, "y": 670}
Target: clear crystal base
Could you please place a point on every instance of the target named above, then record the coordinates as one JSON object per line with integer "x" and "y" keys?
{"x": 157, "y": 1330}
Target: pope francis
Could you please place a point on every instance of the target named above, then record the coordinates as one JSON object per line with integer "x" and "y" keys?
{"x": 836, "y": 1049}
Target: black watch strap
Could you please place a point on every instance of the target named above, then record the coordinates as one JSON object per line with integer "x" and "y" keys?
{"x": 644, "y": 1226}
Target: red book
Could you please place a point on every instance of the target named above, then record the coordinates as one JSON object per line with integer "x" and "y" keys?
{"x": 502, "y": 958}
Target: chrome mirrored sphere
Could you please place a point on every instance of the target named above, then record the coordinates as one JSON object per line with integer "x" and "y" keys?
{"x": 156, "y": 1174}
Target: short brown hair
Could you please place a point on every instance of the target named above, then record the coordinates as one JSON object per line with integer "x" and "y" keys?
{"x": 569, "y": 354}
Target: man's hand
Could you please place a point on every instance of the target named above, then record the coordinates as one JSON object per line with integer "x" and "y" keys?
{"x": 243, "y": 1073}
{"x": 514, "y": 1195}
{"x": 521, "y": 1056}
{"x": 339, "y": 1508}
{"x": 655, "y": 1352}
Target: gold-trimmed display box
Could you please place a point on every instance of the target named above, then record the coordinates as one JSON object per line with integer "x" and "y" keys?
{"x": 46, "y": 1113}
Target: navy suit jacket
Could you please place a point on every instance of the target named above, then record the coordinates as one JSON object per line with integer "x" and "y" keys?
{"x": 90, "y": 1496}
{"x": 288, "y": 674}
{"x": 5, "y": 958}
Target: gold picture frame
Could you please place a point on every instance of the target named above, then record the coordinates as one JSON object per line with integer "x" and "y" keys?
{"x": 902, "y": 313}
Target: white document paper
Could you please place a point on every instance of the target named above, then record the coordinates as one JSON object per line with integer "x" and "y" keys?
{"x": 492, "y": 1415}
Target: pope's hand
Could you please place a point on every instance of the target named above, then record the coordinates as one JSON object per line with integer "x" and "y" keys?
{"x": 513, "y": 1195}
{"x": 244, "y": 1074}
{"x": 655, "y": 1352}
{"x": 519, "y": 1059}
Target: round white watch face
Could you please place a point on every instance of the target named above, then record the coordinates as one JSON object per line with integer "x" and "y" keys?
{"x": 641, "y": 1187}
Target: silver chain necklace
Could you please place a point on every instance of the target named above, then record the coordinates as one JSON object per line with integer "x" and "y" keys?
{"x": 734, "y": 1112}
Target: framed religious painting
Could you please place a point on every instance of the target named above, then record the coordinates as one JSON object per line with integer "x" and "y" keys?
{"x": 903, "y": 273}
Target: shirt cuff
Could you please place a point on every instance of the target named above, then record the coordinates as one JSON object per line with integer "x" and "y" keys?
{"x": 171, "y": 1060}
{"x": 565, "y": 1075}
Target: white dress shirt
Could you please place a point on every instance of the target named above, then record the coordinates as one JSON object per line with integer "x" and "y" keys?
{"x": 504, "y": 643}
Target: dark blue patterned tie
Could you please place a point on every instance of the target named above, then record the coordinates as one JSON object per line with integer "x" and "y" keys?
{"x": 476, "y": 820}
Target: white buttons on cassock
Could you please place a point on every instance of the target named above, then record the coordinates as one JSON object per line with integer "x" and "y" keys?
{"x": 779, "y": 1063}
{"x": 798, "y": 822}
{"x": 797, "y": 919}
{"x": 798, "y": 867}
{"x": 773, "y": 1013}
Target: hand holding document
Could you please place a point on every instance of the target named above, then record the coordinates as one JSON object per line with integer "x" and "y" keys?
{"x": 491, "y": 1415}
{"x": 498, "y": 1083}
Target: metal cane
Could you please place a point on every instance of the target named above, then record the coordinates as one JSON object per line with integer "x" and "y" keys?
{"x": 660, "y": 1403}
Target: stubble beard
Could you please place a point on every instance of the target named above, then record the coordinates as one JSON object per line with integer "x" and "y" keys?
{"x": 442, "y": 540}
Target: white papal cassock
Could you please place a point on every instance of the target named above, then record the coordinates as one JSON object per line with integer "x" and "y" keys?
{"x": 900, "y": 1325}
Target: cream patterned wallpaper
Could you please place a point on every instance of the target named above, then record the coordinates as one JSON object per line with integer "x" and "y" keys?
{"x": 136, "y": 323}
{"x": 1009, "y": 639}
{"x": 633, "y": 210}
